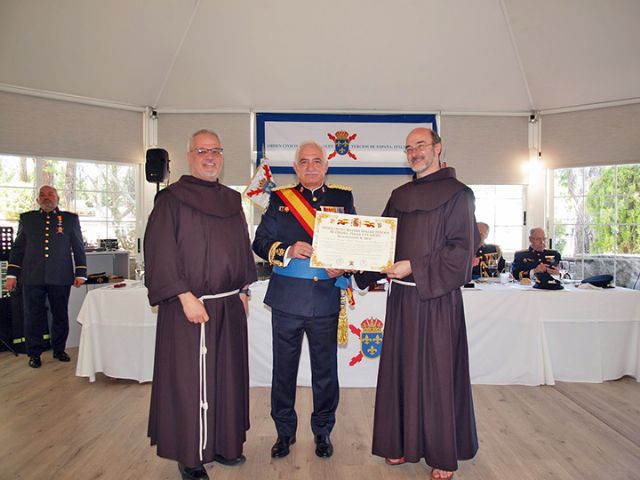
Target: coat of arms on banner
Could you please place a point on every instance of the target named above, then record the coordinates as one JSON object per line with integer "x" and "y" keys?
{"x": 341, "y": 139}
{"x": 261, "y": 186}
{"x": 370, "y": 335}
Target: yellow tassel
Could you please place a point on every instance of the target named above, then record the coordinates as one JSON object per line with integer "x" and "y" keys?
{"x": 343, "y": 321}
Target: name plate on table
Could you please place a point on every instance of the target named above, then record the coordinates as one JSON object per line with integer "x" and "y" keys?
{"x": 353, "y": 242}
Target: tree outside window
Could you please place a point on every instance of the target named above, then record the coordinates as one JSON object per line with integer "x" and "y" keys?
{"x": 102, "y": 194}
{"x": 595, "y": 220}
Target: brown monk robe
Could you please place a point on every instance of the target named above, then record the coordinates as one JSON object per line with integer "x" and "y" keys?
{"x": 424, "y": 407}
{"x": 197, "y": 241}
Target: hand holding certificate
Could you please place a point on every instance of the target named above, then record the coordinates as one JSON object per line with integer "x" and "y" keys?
{"x": 353, "y": 242}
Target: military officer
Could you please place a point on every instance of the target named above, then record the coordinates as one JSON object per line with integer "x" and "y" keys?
{"x": 41, "y": 259}
{"x": 485, "y": 253}
{"x": 303, "y": 299}
{"x": 536, "y": 258}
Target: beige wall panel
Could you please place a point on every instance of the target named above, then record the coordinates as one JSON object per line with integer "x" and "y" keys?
{"x": 604, "y": 136}
{"x": 486, "y": 150}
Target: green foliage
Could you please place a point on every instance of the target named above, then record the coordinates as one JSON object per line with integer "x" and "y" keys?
{"x": 561, "y": 242}
{"x": 613, "y": 203}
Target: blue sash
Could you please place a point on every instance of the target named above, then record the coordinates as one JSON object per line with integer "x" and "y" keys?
{"x": 299, "y": 268}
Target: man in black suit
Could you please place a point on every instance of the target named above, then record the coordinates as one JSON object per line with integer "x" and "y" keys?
{"x": 536, "y": 259}
{"x": 302, "y": 299}
{"x": 41, "y": 259}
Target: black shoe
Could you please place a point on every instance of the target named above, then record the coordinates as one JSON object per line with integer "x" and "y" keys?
{"x": 197, "y": 473}
{"x": 34, "y": 361}
{"x": 281, "y": 447}
{"x": 62, "y": 356}
{"x": 230, "y": 462}
{"x": 324, "y": 448}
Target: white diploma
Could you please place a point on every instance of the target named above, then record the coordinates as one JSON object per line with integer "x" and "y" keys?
{"x": 353, "y": 242}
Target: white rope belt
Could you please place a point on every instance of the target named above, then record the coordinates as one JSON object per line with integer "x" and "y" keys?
{"x": 400, "y": 282}
{"x": 202, "y": 375}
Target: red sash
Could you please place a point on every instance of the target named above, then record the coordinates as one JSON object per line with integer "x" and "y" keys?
{"x": 300, "y": 207}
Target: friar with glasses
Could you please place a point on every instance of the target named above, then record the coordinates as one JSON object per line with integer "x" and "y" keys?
{"x": 199, "y": 264}
{"x": 535, "y": 259}
{"x": 424, "y": 407}
{"x": 303, "y": 300}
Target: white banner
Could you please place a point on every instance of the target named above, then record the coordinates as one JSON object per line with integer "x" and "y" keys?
{"x": 355, "y": 143}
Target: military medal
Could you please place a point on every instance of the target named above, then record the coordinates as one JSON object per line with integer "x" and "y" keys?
{"x": 59, "y": 228}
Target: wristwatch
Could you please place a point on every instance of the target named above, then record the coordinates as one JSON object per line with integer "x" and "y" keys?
{"x": 246, "y": 291}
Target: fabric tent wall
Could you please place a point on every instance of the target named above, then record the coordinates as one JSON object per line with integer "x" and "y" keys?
{"x": 53, "y": 128}
{"x": 486, "y": 150}
{"x": 174, "y": 130}
{"x": 483, "y": 149}
{"x": 604, "y": 136}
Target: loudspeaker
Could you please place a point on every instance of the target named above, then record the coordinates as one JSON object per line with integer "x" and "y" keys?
{"x": 157, "y": 166}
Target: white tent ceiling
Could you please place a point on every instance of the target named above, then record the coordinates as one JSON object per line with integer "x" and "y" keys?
{"x": 405, "y": 55}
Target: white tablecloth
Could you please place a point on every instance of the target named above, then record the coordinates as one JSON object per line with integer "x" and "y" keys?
{"x": 521, "y": 335}
{"x": 517, "y": 335}
{"x": 118, "y": 333}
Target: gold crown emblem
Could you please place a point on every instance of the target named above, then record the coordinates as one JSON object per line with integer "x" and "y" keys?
{"x": 342, "y": 135}
{"x": 371, "y": 325}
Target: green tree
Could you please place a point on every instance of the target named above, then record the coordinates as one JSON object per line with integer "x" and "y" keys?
{"x": 613, "y": 201}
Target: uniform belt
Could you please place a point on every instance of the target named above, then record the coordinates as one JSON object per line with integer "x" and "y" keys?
{"x": 299, "y": 268}
{"x": 202, "y": 372}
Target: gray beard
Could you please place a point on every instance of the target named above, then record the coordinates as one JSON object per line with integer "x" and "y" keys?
{"x": 419, "y": 170}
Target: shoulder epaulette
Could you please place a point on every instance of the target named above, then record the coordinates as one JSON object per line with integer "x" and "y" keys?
{"x": 339, "y": 187}
{"x": 522, "y": 251}
{"x": 283, "y": 187}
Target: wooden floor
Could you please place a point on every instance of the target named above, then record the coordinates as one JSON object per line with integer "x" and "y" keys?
{"x": 54, "y": 425}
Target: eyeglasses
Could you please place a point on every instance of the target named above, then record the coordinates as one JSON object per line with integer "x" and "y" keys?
{"x": 203, "y": 151}
{"x": 421, "y": 147}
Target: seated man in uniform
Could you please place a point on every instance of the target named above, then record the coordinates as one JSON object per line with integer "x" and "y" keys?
{"x": 536, "y": 258}
{"x": 486, "y": 252}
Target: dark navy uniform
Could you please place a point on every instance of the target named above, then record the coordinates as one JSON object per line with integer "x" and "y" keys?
{"x": 526, "y": 260}
{"x": 301, "y": 305}
{"x": 41, "y": 260}
{"x": 484, "y": 253}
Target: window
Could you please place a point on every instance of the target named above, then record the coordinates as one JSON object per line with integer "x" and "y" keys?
{"x": 17, "y": 180}
{"x": 102, "y": 194}
{"x": 596, "y": 214}
{"x": 501, "y": 207}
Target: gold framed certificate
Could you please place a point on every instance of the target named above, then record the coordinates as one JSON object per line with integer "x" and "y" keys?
{"x": 353, "y": 242}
